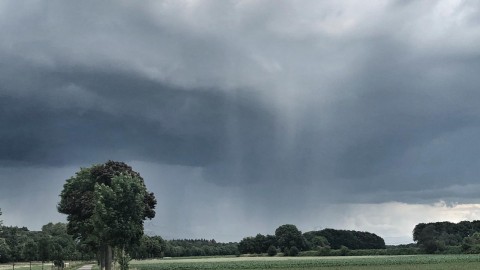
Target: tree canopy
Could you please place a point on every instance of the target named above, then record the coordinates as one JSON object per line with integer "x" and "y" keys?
{"x": 51, "y": 243}
{"x": 106, "y": 205}
{"x": 350, "y": 239}
{"x": 435, "y": 236}
{"x": 289, "y": 236}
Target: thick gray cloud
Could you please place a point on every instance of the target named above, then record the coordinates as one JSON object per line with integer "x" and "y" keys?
{"x": 284, "y": 105}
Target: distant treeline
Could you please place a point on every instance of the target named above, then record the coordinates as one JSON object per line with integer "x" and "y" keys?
{"x": 52, "y": 243}
{"x": 350, "y": 239}
{"x": 439, "y": 236}
{"x": 156, "y": 247}
{"x": 288, "y": 237}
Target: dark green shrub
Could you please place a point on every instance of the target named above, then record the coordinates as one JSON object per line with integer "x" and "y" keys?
{"x": 309, "y": 253}
{"x": 344, "y": 251}
{"x": 324, "y": 251}
{"x": 272, "y": 251}
{"x": 293, "y": 251}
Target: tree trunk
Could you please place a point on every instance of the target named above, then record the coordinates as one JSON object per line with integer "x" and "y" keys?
{"x": 101, "y": 258}
{"x": 30, "y": 265}
{"x": 108, "y": 258}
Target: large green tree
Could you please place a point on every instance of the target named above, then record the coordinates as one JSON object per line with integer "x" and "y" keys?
{"x": 106, "y": 206}
{"x": 289, "y": 236}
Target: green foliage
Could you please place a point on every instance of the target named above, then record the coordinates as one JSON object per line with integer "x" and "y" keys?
{"x": 15, "y": 238}
{"x": 344, "y": 251}
{"x": 52, "y": 243}
{"x": 106, "y": 205}
{"x": 350, "y": 239}
{"x": 293, "y": 251}
{"x": 272, "y": 251}
{"x": 430, "y": 240}
{"x": 471, "y": 244}
{"x": 247, "y": 245}
{"x": 119, "y": 211}
{"x": 30, "y": 250}
{"x": 199, "y": 247}
{"x": 438, "y": 236}
{"x": 288, "y": 236}
{"x": 258, "y": 244}
{"x": 324, "y": 251}
{"x": 4, "y": 251}
{"x": 149, "y": 247}
{"x": 320, "y": 241}
{"x": 123, "y": 259}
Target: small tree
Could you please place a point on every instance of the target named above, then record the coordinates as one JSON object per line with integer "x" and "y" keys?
{"x": 320, "y": 241}
{"x": 272, "y": 251}
{"x": 471, "y": 244}
{"x": 324, "y": 251}
{"x": 4, "y": 251}
{"x": 123, "y": 258}
{"x": 293, "y": 251}
{"x": 30, "y": 251}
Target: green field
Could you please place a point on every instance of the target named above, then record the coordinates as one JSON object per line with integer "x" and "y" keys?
{"x": 420, "y": 262}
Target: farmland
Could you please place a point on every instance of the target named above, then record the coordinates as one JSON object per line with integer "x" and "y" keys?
{"x": 417, "y": 262}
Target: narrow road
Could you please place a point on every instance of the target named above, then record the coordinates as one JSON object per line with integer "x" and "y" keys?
{"x": 86, "y": 267}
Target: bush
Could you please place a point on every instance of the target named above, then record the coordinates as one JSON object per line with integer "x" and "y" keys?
{"x": 324, "y": 251}
{"x": 344, "y": 251}
{"x": 293, "y": 251}
{"x": 123, "y": 259}
{"x": 403, "y": 251}
{"x": 272, "y": 251}
{"x": 309, "y": 253}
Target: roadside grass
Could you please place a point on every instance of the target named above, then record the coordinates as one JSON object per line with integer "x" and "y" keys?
{"x": 72, "y": 265}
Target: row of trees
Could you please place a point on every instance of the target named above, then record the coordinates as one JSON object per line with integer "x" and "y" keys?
{"x": 52, "y": 243}
{"x": 199, "y": 247}
{"x": 290, "y": 240}
{"x": 347, "y": 238}
{"x": 438, "y": 236}
{"x": 156, "y": 247}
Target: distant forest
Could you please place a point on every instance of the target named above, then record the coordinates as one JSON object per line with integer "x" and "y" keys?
{"x": 443, "y": 236}
{"x": 289, "y": 240}
{"x": 53, "y": 243}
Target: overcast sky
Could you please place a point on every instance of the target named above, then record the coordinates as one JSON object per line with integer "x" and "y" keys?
{"x": 245, "y": 115}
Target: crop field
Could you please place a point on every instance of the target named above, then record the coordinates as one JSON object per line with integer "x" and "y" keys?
{"x": 413, "y": 262}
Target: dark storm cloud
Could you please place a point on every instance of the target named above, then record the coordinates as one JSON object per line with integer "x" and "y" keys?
{"x": 71, "y": 115}
{"x": 321, "y": 101}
